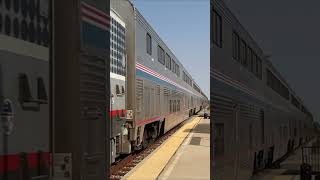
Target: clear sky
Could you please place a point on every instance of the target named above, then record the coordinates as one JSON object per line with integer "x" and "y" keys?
{"x": 289, "y": 30}
{"x": 184, "y": 25}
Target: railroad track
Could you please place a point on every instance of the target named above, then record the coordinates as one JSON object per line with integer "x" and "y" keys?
{"x": 120, "y": 169}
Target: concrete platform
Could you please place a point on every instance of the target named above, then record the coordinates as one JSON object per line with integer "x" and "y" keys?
{"x": 185, "y": 155}
{"x": 192, "y": 159}
{"x": 289, "y": 169}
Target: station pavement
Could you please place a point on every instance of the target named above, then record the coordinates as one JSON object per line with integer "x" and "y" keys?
{"x": 289, "y": 169}
{"x": 183, "y": 156}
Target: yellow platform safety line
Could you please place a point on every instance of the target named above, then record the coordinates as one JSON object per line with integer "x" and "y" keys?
{"x": 151, "y": 167}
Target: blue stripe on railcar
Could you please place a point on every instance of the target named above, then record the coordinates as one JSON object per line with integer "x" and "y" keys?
{"x": 145, "y": 75}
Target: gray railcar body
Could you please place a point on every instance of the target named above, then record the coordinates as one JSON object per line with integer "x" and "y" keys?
{"x": 158, "y": 96}
{"x": 24, "y": 85}
{"x": 253, "y": 125}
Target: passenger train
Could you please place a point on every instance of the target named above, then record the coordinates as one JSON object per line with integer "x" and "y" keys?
{"x": 24, "y": 93}
{"x": 151, "y": 90}
{"x": 258, "y": 118}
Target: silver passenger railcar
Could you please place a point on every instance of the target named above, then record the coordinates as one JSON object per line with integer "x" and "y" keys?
{"x": 24, "y": 93}
{"x": 258, "y": 118}
{"x": 160, "y": 92}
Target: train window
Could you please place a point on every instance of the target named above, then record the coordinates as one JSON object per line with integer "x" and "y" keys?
{"x": 38, "y": 12}
{"x": 161, "y": 55}
{"x": 24, "y": 30}
{"x": 8, "y": 4}
{"x": 243, "y": 53}
{"x": 170, "y": 106}
{"x": 149, "y": 44}
{"x": 32, "y": 9}
{"x": 173, "y": 66}
{"x": 248, "y": 56}
{"x": 0, "y": 22}
{"x": 16, "y": 28}
{"x": 118, "y": 90}
{"x": 42, "y": 94}
{"x": 39, "y": 40}
{"x": 217, "y": 29}
{"x": 259, "y": 68}
{"x": 31, "y": 32}
{"x": 174, "y": 106}
{"x": 24, "y": 88}
{"x": 7, "y": 25}
{"x": 254, "y": 62}
{"x": 168, "y": 61}
{"x": 177, "y": 70}
{"x": 236, "y": 46}
{"x": 16, "y": 6}
{"x": 122, "y": 89}
{"x": 45, "y": 36}
{"x": 24, "y": 8}
{"x": 169, "y": 64}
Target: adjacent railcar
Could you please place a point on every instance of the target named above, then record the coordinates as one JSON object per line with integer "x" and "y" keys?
{"x": 160, "y": 92}
{"x": 24, "y": 74}
{"x": 257, "y": 117}
{"x": 117, "y": 82}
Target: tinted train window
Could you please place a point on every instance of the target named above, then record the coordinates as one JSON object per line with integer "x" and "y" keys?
{"x": 16, "y": 28}
{"x": 177, "y": 70}
{"x": 24, "y": 30}
{"x": 117, "y": 89}
{"x": 122, "y": 88}
{"x": 236, "y": 46}
{"x": 16, "y": 5}
{"x": 7, "y": 25}
{"x": 250, "y": 59}
{"x": 38, "y": 11}
{"x": 8, "y": 4}
{"x": 217, "y": 29}
{"x": 24, "y": 88}
{"x": 149, "y": 44}
{"x": 173, "y": 66}
{"x": 243, "y": 53}
{"x": 254, "y": 62}
{"x": 1, "y": 22}
{"x": 42, "y": 94}
{"x": 39, "y": 37}
{"x": 168, "y": 61}
{"x": 161, "y": 55}
{"x": 45, "y": 37}
{"x": 32, "y": 32}
{"x": 32, "y": 9}
{"x": 24, "y": 8}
